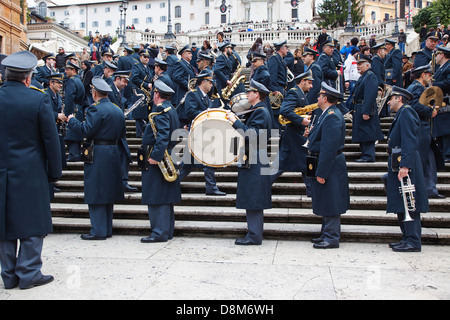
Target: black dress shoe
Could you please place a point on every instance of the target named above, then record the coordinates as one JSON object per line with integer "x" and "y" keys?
{"x": 89, "y": 237}
{"x": 245, "y": 242}
{"x": 55, "y": 189}
{"x": 405, "y": 247}
{"x": 317, "y": 240}
{"x": 216, "y": 193}
{"x": 364, "y": 160}
{"x": 325, "y": 245}
{"x": 437, "y": 196}
{"x": 43, "y": 280}
{"x": 11, "y": 284}
{"x": 129, "y": 188}
{"x": 151, "y": 239}
{"x": 396, "y": 244}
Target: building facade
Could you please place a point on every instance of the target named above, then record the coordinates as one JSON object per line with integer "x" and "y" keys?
{"x": 104, "y": 16}
{"x": 13, "y": 24}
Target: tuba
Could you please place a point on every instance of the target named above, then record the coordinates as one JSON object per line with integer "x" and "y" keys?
{"x": 237, "y": 78}
{"x": 299, "y": 111}
{"x": 166, "y": 165}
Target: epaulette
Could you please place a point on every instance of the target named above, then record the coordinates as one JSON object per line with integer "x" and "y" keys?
{"x": 331, "y": 111}
{"x": 36, "y": 88}
{"x": 116, "y": 105}
{"x": 294, "y": 88}
{"x": 194, "y": 90}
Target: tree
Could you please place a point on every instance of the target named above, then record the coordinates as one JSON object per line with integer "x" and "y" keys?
{"x": 333, "y": 13}
{"x": 437, "y": 12}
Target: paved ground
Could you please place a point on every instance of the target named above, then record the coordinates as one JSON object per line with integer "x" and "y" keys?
{"x": 211, "y": 268}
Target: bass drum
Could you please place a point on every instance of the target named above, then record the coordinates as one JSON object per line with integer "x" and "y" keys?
{"x": 239, "y": 103}
{"x": 212, "y": 139}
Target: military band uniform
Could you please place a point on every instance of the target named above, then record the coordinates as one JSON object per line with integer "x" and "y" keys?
{"x": 316, "y": 71}
{"x": 404, "y": 134}
{"x": 182, "y": 73}
{"x": 278, "y": 75}
{"x": 44, "y": 71}
{"x": 441, "y": 128}
{"x": 393, "y": 66}
{"x": 328, "y": 67}
{"x": 29, "y": 158}
{"x": 124, "y": 63}
{"x": 116, "y": 96}
{"x": 254, "y": 192}
{"x": 103, "y": 186}
{"x": 223, "y": 70}
{"x": 292, "y": 154}
{"x": 56, "y": 103}
{"x": 423, "y": 57}
{"x": 196, "y": 102}
{"x": 363, "y": 101}
{"x": 424, "y": 139}
{"x": 157, "y": 193}
{"x": 73, "y": 104}
{"x": 141, "y": 76}
{"x": 331, "y": 199}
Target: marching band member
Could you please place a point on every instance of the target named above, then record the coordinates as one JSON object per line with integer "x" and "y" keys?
{"x": 171, "y": 58}
{"x": 278, "y": 75}
{"x": 422, "y": 78}
{"x": 424, "y": 56}
{"x": 107, "y": 55}
{"x": 292, "y": 155}
{"x": 366, "y": 128}
{"x": 161, "y": 73}
{"x": 393, "y": 64}
{"x": 182, "y": 72}
{"x": 330, "y": 192}
{"x": 378, "y": 55}
{"x": 103, "y": 186}
{"x": 46, "y": 70}
{"x": 441, "y": 129}
{"x": 157, "y": 193}
{"x": 308, "y": 57}
{"x": 254, "y": 187}
{"x": 223, "y": 68}
{"x": 326, "y": 63}
{"x": 198, "y": 101}
{"x": 141, "y": 77}
{"x": 29, "y": 160}
{"x": 403, "y": 135}
{"x": 55, "y": 83}
{"x": 74, "y": 98}
{"x": 116, "y": 96}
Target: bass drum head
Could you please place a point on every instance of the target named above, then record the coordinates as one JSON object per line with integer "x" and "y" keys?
{"x": 239, "y": 103}
{"x": 212, "y": 139}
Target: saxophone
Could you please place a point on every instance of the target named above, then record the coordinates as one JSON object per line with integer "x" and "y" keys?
{"x": 166, "y": 165}
{"x": 237, "y": 78}
{"x": 299, "y": 111}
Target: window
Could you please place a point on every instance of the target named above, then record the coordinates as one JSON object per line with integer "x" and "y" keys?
{"x": 207, "y": 18}
{"x": 177, "y": 27}
{"x": 52, "y": 14}
{"x": 223, "y": 18}
{"x": 107, "y": 9}
{"x": 94, "y": 24}
{"x": 108, "y": 23}
{"x": 148, "y": 6}
{"x": 207, "y": 4}
{"x": 294, "y": 13}
{"x": 177, "y": 12}
{"x": 135, "y": 21}
{"x": 149, "y": 20}
{"x": 134, "y": 7}
{"x": 95, "y": 10}
{"x": 162, "y": 5}
{"x": 82, "y": 25}
{"x": 81, "y": 11}
{"x": 66, "y": 13}
{"x": 162, "y": 19}
{"x": 42, "y": 9}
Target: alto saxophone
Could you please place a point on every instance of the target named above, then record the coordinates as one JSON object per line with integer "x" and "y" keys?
{"x": 166, "y": 165}
{"x": 237, "y": 78}
{"x": 299, "y": 111}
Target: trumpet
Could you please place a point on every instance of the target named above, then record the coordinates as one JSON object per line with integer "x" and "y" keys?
{"x": 289, "y": 75}
{"x": 407, "y": 190}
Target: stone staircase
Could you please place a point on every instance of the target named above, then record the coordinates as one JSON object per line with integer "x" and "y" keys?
{"x": 290, "y": 218}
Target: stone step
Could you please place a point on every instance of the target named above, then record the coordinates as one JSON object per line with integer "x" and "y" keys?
{"x": 278, "y": 201}
{"x": 280, "y": 231}
{"x": 275, "y": 215}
